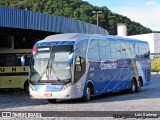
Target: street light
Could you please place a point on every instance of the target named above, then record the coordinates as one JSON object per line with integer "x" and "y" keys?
{"x": 97, "y": 12}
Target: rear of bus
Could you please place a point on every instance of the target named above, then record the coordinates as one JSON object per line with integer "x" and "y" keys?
{"x": 14, "y": 67}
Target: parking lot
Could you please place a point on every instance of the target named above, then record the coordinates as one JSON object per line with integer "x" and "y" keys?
{"x": 147, "y": 100}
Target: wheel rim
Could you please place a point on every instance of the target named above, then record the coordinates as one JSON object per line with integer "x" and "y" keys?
{"x": 139, "y": 86}
{"x": 133, "y": 87}
{"x": 88, "y": 94}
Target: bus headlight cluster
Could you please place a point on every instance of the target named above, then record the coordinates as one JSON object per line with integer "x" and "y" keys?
{"x": 32, "y": 87}
{"x": 65, "y": 86}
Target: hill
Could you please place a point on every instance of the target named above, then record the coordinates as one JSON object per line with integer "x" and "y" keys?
{"x": 79, "y": 10}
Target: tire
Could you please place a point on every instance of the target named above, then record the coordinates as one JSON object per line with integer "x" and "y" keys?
{"x": 132, "y": 90}
{"x": 26, "y": 87}
{"x": 51, "y": 100}
{"x": 138, "y": 86}
{"x": 87, "y": 96}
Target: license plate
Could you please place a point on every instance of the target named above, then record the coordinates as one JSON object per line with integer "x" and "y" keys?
{"x": 48, "y": 94}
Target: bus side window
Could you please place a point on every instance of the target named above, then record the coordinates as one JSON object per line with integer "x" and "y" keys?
{"x": 147, "y": 51}
{"x": 2, "y": 60}
{"x": 142, "y": 50}
{"x": 132, "y": 50}
{"x": 80, "y": 67}
{"x": 115, "y": 50}
{"x": 105, "y": 49}
{"x": 78, "y": 64}
{"x": 26, "y": 58}
{"x": 93, "y": 51}
{"x": 81, "y": 46}
{"x": 10, "y": 60}
{"x": 125, "y": 50}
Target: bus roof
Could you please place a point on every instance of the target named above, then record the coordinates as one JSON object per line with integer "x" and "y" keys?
{"x": 71, "y": 38}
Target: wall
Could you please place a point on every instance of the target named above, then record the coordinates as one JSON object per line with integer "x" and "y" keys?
{"x": 150, "y": 38}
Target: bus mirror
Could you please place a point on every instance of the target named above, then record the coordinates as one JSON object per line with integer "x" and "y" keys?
{"x": 70, "y": 58}
{"x": 23, "y": 60}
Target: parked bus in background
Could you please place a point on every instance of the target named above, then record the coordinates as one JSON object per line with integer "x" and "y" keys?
{"x": 68, "y": 66}
{"x": 14, "y": 67}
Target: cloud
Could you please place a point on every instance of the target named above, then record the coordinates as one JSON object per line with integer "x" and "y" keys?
{"x": 146, "y": 14}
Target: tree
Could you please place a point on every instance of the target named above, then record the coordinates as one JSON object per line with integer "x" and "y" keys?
{"x": 79, "y": 10}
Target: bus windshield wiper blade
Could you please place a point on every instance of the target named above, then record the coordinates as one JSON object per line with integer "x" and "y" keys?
{"x": 49, "y": 68}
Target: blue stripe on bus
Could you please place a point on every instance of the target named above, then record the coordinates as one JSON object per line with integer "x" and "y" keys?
{"x": 48, "y": 88}
{"x": 55, "y": 43}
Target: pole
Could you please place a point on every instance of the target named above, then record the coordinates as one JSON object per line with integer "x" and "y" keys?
{"x": 97, "y": 18}
{"x": 97, "y": 12}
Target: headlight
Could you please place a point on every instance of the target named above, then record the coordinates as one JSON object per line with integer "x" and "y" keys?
{"x": 32, "y": 87}
{"x": 65, "y": 86}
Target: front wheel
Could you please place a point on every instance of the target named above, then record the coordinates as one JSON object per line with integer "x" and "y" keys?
{"x": 87, "y": 96}
{"x": 26, "y": 86}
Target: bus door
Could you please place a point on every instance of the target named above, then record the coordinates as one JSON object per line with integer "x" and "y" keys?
{"x": 80, "y": 67}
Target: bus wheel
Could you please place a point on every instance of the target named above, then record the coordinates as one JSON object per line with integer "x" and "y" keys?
{"x": 87, "y": 96}
{"x": 138, "y": 86}
{"x": 51, "y": 100}
{"x": 26, "y": 86}
{"x": 133, "y": 87}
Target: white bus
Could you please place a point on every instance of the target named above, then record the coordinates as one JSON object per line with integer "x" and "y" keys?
{"x": 68, "y": 66}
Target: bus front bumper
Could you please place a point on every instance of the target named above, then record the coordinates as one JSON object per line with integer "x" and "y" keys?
{"x": 68, "y": 93}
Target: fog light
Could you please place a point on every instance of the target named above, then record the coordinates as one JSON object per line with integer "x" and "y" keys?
{"x": 32, "y": 87}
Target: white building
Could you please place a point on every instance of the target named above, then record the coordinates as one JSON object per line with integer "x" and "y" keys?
{"x": 152, "y": 38}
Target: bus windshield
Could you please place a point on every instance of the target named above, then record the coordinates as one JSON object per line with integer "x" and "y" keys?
{"x": 51, "y": 64}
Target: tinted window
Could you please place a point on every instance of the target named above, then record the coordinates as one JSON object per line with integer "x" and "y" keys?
{"x": 2, "y": 60}
{"x": 147, "y": 50}
{"x": 142, "y": 50}
{"x": 132, "y": 49}
{"x": 10, "y": 60}
{"x": 93, "y": 51}
{"x": 19, "y": 57}
{"x": 115, "y": 50}
{"x": 105, "y": 50}
{"x": 82, "y": 46}
{"x": 125, "y": 47}
{"x": 14, "y": 59}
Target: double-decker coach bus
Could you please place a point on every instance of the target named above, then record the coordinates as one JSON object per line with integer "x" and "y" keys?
{"x": 14, "y": 67}
{"x": 68, "y": 66}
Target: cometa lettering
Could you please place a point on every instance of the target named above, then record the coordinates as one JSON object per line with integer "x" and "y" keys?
{"x": 105, "y": 66}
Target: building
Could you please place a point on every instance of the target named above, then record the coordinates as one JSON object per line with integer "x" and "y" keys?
{"x": 22, "y": 28}
{"x": 152, "y": 38}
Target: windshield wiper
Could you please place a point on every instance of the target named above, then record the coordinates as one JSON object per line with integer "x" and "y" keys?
{"x": 48, "y": 71}
{"x": 49, "y": 68}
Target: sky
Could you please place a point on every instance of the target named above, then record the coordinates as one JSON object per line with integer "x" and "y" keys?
{"x": 145, "y": 12}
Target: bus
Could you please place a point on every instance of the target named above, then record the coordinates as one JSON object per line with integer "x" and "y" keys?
{"x": 68, "y": 66}
{"x": 14, "y": 68}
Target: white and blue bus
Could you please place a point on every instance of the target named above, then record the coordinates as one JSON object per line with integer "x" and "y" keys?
{"x": 67, "y": 66}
